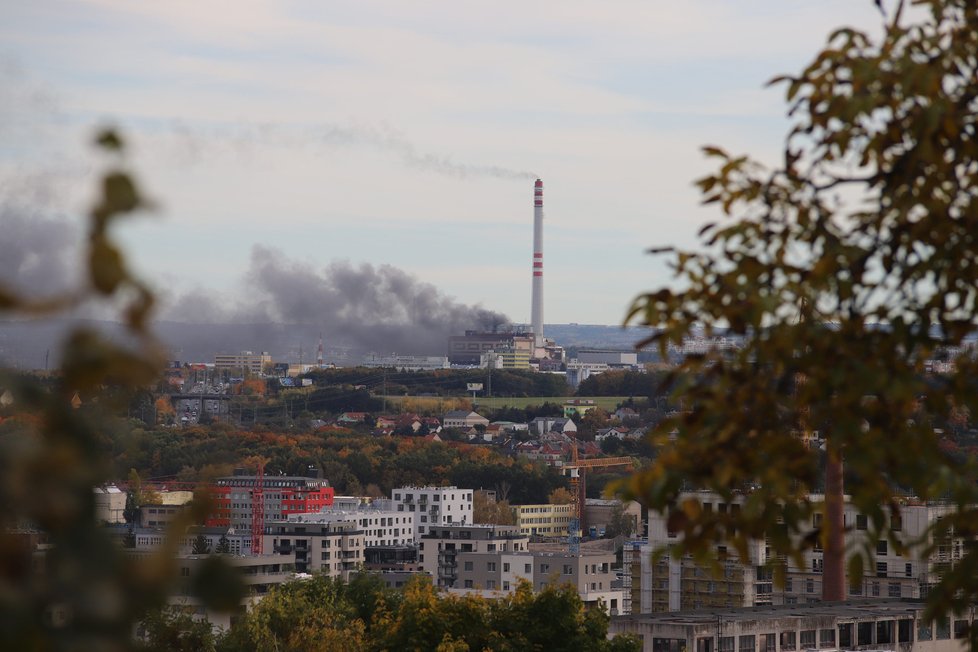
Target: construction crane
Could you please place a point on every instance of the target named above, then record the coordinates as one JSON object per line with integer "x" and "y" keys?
{"x": 577, "y": 470}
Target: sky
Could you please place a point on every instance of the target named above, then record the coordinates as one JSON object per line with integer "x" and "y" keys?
{"x": 332, "y": 135}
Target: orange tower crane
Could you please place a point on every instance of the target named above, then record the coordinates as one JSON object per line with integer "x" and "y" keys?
{"x": 578, "y": 480}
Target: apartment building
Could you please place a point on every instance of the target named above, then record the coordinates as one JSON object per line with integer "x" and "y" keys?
{"x": 259, "y": 573}
{"x": 440, "y": 549}
{"x": 379, "y": 522}
{"x": 282, "y": 496}
{"x": 490, "y": 559}
{"x": 548, "y": 521}
{"x": 334, "y": 548}
{"x": 590, "y": 573}
{"x": 669, "y": 584}
{"x": 433, "y": 506}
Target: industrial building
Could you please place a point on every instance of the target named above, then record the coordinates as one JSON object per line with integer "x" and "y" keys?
{"x": 471, "y": 349}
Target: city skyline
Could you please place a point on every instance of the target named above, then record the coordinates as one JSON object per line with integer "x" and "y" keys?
{"x": 402, "y": 135}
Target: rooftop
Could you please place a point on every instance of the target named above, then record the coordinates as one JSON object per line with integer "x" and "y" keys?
{"x": 849, "y": 609}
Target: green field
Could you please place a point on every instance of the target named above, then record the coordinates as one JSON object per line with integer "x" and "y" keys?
{"x": 608, "y": 403}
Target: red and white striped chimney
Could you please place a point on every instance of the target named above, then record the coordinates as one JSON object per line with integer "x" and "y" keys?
{"x": 536, "y": 306}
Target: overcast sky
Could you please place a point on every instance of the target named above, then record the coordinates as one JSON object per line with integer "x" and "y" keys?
{"x": 401, "y": 132}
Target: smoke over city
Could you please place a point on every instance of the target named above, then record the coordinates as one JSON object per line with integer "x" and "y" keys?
{"x": 38, "y": 249}
{"x": 194, "y": 144}
{"x": 364, "y": 307}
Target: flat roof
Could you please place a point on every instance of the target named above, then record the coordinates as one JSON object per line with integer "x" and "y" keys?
{"x": 849, "y": 609}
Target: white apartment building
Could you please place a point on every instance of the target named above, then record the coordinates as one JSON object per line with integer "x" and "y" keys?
{"x": 433, "y": 506}
{"x": 380, "y": 523}
{"x": 680, "y": 584}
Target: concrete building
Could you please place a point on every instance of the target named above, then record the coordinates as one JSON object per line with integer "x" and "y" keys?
{"x": 434, "y": 506}
{"x": 680, "y": 584}
{"x": 447, "y": 549}
{"x": 260, "y": 574}
{"x": 333, "y": 548}
{"x": 854, "y": 625}
{"x": 283, "y": 495}
{"x": 589, "y": 572}
{"x": 251, "y": 363}
{"x": 490, "y": 559}
{"x": 110, "y": 503}
{"x": 380, "y": 523}
{"x": 576, "y": 372}
{"x": 548, "y": 521}
{"x": 164, "y": 508}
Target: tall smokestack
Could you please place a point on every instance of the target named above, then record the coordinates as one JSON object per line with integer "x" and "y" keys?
{"x": 536, "y": 308}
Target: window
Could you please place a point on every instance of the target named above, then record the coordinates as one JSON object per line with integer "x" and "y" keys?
{"x": 861, "y": 521}
{"x": 943, "y": 628}
{"x": 881, "y": 548}
{"x": 809, "y": 585}
{"x": 468, "y": 584}
{"x": 726, "y": 644}
{"x": 874, "y": 589}
{"x": 884, "y": 632}
{"x": 881, "y": 568}
{"x": 807, "y": 639}
{"x": 908, "y": 570}
{"x": 769, "y": 643}
{"x": 568, "y": 569}
{"x": 864, "y": 633}
{"x": 905, "y": 631}
{"x": 491, "y": 566}
{"x": 527, "y": 569}
{"x": 826, "y": 638}
{"x": 506, "y": 567}
{"x": 816, "y": 565}
{"x": 924, "y": 631}
{"x": 468, "y": 565}
{"x": 845, "y": 635}
{"x": 896, "y": 523}
{"x": 746, "y": 643}
{"x": 788, "y": 585}
{"x": 960, "y": 629}
{"x": 893, "y": 590}
{"x": 787, "y": 641}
